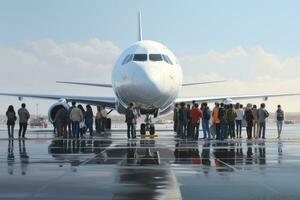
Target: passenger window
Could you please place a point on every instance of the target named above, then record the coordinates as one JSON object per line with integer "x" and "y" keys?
{"x": 155, "y": 57}
{"x": 140, "y": 57}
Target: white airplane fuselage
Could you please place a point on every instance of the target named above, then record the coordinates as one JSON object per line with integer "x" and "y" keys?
{"x": 147, "y": 74}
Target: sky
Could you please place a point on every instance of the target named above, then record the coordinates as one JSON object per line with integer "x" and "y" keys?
{"x": 253, "y": 44}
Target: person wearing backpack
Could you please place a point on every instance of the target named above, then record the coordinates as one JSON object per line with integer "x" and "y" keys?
{"x": 279, "y": 120}
{"x": 23, "y": 120}
{"x": 230, "y": 117}
{"x": 129, "y": 118}
{"x": 11, "y": 120}
{"x": 249, "y": 119}
{"x": 239, "y": 119}
{"x": 262, "y": 116}
{"x": 205, "y": 121}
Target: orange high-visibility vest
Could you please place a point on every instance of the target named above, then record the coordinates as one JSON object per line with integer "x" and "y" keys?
{"x": 216, "y": 119}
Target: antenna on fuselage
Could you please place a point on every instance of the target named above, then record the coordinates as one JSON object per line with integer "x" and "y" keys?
{"x": 140, "y": 26}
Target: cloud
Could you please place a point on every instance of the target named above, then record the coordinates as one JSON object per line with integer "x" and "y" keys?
{"x": 249, "y": 71}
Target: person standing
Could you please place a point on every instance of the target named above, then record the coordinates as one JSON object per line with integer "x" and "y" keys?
{"x": 249, "y": 119}
{"x": 196, "y": 115}
{"x": 183, "y": 120}
{"x": 88, "y": 119}
{"x": 189, "y": 123}
{"x": 223, "y": 125}
{"x": 11, "y": 120}
{"x": 103, "y": 118}
{"x": 230, "y": 116}
{"x": 279, "y": 120}
{"x": 61, "y": 121}
{"x": 255, "y": 121}
{"x": 216, "y": 120}
{"x": 129, "y": 117}
{"x": 98, "y": 120}
{"x": 76, "y": 116}
{"x": 205, "y": 120}
{"x": 70, "y": 125}
{"x": 238, "y": 120}
{"x": 175, "y": 118}
{"x": 23, "y": 120}
{"x": 82, "y": 127}
{"x": 136, "y": 114}
{"x": 262, "y": 116}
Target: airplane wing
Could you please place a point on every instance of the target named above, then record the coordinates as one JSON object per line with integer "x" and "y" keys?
{"x": 89, "y": 84}
{"x": 226, "y": 98}
{"x": 203, "y": 83}
{"x": 104, "y": 101}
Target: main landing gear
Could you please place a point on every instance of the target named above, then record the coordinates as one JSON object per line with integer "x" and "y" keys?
{"x": 147, "y": 126}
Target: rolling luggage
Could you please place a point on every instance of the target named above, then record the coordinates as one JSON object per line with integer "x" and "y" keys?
{"x": 108, "y": 123}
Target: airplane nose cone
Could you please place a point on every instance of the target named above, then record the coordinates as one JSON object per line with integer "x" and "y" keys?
{"x": 149, "y": 84}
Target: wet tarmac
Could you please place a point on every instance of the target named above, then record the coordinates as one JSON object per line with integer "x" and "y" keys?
{"x": 111, "y": 167}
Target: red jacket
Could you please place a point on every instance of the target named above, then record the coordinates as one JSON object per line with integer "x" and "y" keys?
{"x": 196, "y": 115}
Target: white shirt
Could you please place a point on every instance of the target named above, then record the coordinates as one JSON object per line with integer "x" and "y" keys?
{"x": 239, "y": 114}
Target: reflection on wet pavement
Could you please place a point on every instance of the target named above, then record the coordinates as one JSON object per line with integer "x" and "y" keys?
{"x": 107, "y": 167}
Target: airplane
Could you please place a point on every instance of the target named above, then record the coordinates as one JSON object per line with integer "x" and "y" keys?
{"x": 147, "y": 74}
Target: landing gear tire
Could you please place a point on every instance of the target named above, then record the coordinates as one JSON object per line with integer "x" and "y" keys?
{"x": 143, "y": 129}
{"x": 152, "y": 129}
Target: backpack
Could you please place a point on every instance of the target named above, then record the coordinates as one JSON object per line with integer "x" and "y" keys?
{"x": 279, "y": 115}
{"x": 206, "y": 114}
{"x": 11, "y": 116}
{"x": 221, "y": 113}
{"x": 231, "y": 115}
{"x": 129, "y": 115}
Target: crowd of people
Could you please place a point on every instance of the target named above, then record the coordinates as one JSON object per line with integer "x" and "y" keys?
{"x": 77, "y": 121}
{"x": 223, "y": 121}
{"x": 71, "y": 123}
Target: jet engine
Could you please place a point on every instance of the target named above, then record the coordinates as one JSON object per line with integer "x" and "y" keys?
{"x": 62, "y": 103}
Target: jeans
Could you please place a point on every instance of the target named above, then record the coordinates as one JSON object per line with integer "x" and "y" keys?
{"x": 183, "y": 129}
{"x": 90, "y": 128}
{"x": 195, "y": 131}
{"x": 238, "y": 128}
{"x": 75, "y": 129}
{"x": 205, "y": 127}
{"x": 218, "y": 126}
{"x": 231, "y": 129}
{"x": 130, "y": 131}
{"x": 223, "y": 131}
{"x": 23, "y": 128}
{"x": 262, "y": 127}
{"x": 10, "y": 129}
{"x": 249, "y": 129}
{"x": 279, "y": 127}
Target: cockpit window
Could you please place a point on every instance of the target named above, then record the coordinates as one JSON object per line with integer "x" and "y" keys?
{"x": 127, "y": 59}
{"x": 167, "y": 59}
{"x": 155, "y": 57}
{"x": 140, "y": 57}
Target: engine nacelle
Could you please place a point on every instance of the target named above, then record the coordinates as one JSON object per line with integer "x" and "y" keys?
{"x": 120, "y": 109}
{"x": 55, "y": 107}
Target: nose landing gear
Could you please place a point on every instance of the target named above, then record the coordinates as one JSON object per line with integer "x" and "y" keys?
{"x": 147, "y": 126}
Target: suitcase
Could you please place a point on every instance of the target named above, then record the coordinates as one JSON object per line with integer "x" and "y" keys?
{"x": 108, "y": 124}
